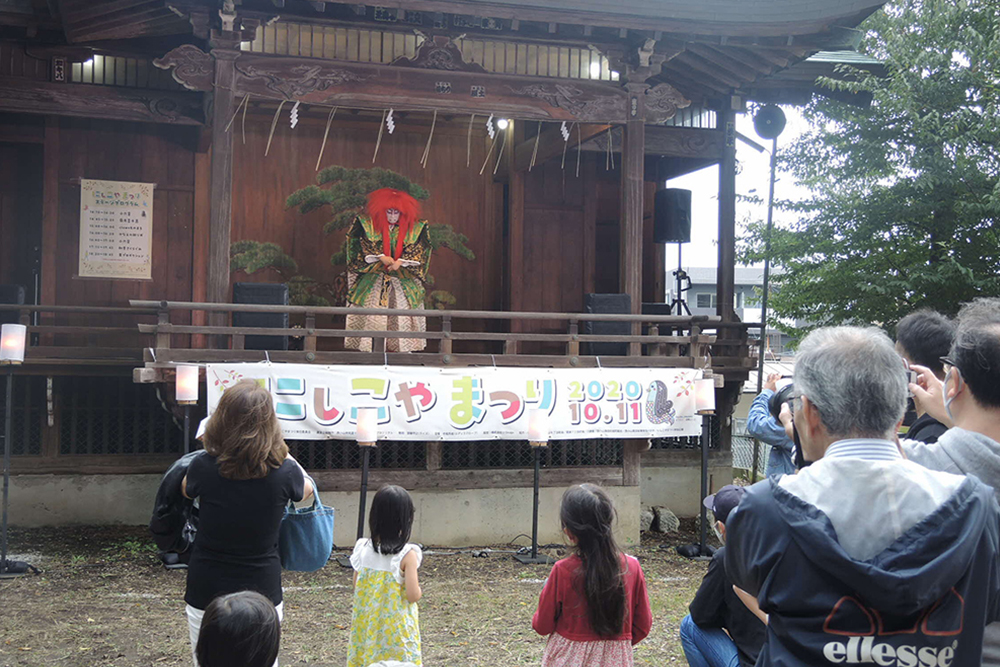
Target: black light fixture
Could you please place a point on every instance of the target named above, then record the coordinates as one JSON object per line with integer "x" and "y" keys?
{"x": 769, "y": 122}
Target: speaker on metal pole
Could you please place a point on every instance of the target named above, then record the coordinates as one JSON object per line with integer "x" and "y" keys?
{"x": 672, "y": 223}
{"x": 262, "y": 293}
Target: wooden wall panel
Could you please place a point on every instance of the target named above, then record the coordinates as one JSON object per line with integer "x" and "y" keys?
{"x": 143, "y": 152}
{"x": 460, "y": 196}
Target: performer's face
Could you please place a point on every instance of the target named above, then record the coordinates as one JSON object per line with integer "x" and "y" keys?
{"x": 392, "y": 215}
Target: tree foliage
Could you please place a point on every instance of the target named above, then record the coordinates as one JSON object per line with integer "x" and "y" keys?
{"x": 345, "y": 192}
{"x": 904, "y": 192}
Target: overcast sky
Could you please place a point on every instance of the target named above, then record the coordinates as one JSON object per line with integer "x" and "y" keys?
{"x": 752, "y": 178}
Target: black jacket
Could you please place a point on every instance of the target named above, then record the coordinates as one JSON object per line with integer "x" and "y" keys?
{"x": 175, "y": 518}
{"x": 716, "y": 605}
{"x": 923, "y": 602}
{"x": 926, "y": 429}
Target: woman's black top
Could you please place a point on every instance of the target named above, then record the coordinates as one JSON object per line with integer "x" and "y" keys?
{"x": 236, "y": 548}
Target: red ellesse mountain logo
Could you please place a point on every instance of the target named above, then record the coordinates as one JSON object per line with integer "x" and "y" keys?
{"x": 850, "y": 618}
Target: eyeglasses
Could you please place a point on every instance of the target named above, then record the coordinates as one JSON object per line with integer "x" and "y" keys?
{"x": 948, "y": 361}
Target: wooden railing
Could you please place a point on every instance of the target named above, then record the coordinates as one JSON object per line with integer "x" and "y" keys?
{"x": 66, "y": 335}
{"x": 656, "y": 340}
{"x": 154, "y": 335}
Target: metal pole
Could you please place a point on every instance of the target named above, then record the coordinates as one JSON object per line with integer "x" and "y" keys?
{"x": 763, "y": 299}
{"x": 705, "y": 435}
{"x": 8, "y": 417}
{"x": 680, "y": 267}
{"x": 534, "y": 511}
{"x": 187, "y": 429}
{"x": 366, "y": 451}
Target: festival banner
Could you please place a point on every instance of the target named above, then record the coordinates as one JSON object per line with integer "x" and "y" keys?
{"x": 116, "y": 229}
{"x": 422, "y": 403}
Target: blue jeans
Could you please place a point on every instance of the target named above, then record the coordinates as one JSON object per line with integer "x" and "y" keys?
{"x": 707, "y": 647}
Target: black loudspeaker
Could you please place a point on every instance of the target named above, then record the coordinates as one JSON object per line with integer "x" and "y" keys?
{"x": 262, "y": 293}
{"x": 672, "y": 223}
{"x": 607, "y": 304}
{"x": 11, "y": 294}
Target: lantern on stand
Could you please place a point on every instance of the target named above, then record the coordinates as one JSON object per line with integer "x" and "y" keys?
{"x": 704, "y": 401}
{"x": 12, "y": 340}
{"x": 538, "y": 438}
{"x": 186, "y": 393}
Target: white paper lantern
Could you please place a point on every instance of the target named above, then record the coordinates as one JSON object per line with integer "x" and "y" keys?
{"x": 704, "y": 392}
{"x": 186, "y": 384}
{"x": 12, "y": 337}
{"x": 367, "y": 431}
{"x": 538, "y": 426}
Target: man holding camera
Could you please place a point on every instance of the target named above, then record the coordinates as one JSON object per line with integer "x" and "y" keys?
{"x": 968, "y": 401}
{"x": 763, "y": 425}
{"x": 864, "y": 556}
{"x": 923, "y": 338}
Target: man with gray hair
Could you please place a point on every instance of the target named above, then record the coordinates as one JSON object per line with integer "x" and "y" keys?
{"x": 864, "y": 557}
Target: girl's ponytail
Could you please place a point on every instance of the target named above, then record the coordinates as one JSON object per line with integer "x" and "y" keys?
{"x": 587, "y": 513}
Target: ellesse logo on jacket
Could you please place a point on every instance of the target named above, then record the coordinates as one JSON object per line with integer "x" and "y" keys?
{"x": 916, "y": 641}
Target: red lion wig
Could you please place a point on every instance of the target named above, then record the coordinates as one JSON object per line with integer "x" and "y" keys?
{"x": 387, "y": 199}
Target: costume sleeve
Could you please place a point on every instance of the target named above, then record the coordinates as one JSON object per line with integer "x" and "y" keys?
{"x": 708, "y": 607}
{"x": 549, "y": 604}
{"x": 761, "y": 425}
{"x": 642, "y": 615}
{"x": 359, "y": 246}
{"x": 418, "y": 251}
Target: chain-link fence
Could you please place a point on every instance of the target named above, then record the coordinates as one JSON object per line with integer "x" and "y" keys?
{"x": 743, "y": 453}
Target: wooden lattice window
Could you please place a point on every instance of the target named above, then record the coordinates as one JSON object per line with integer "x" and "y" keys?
{"x": 123, "y": 72}
{"x": 517, "y": 454}
{"x": 346, "y": 455}
{"x": 28, "y": 403}
{"x": 111, "y": 415}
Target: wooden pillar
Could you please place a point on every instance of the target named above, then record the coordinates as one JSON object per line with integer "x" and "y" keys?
{"x": 225, "y": 51}
{"x": 50, "y": 214}
{"x": 515, "y": 233}
{"x": 199, "y": 250}
{"x": 633, "y": 172}
{"x": 726, "y": 276}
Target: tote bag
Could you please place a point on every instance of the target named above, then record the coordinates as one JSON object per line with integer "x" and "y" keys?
{"x": 306, "y": 536}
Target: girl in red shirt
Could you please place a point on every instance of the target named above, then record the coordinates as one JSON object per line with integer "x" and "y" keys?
{"x": 594, "y": 605}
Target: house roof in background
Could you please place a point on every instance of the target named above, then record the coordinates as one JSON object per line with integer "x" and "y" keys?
{"x": 745, "y": 275}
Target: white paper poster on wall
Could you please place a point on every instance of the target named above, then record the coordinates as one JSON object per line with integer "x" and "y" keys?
{"x": 116, "y": 229}
{"x": 421, "y": 403}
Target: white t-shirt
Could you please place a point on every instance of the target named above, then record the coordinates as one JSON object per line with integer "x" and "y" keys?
{"x": 365, "y": 556}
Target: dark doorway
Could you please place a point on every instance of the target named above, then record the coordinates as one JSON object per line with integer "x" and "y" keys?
{"x": 21, "y": 216}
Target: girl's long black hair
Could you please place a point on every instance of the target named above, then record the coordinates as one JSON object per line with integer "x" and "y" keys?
{"x": 587, "y": 514}
{"x": 391, "y": 519}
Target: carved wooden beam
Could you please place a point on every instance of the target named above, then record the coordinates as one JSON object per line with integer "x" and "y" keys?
{"x": 672, "y": 142}
{"x": 131, "y": 104}
{"x": 436, "y": 79}
{"x": 372, "y": 86}
{"x": 551, "y": 144}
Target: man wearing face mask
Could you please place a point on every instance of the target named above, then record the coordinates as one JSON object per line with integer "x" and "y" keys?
{"x": 968, "y": 400}
{"x": 864, "y": 557}
{"x": 720, "y": 631}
